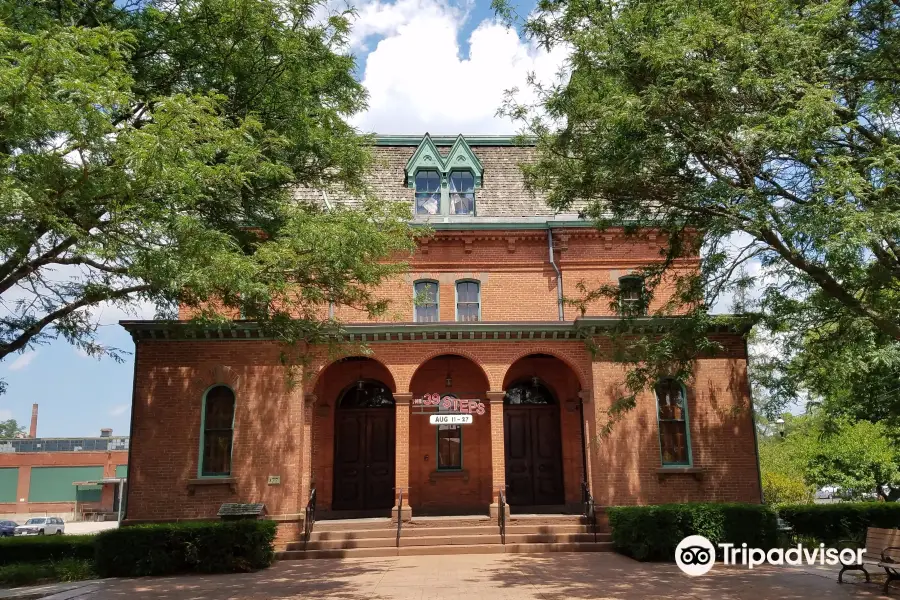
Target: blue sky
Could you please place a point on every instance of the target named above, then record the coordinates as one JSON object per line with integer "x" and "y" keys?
{"x": 459, "y": 42}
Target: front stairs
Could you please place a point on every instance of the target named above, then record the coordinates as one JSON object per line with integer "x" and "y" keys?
{"x": 348, "y": 538}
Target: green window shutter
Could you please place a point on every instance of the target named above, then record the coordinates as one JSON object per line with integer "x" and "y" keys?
{"x": 9, "y": 482}
{"x": 121, "y": 470}
{"x": 54, "y": 484}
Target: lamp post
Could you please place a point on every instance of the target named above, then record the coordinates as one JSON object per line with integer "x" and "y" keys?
{"x": 780, "y": 424}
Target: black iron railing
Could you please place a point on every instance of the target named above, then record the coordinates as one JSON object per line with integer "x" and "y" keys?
{"x": 399, "y": 516}
{"x": 590, "y": 509}
{"x": 501, "y": 514}
{"x": 310, "y": 519}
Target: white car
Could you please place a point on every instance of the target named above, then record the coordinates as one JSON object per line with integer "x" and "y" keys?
{"x": 42, "y": 526}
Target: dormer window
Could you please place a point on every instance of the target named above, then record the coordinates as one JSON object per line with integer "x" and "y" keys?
{"x": 462, "y": 193}
{"x": 428, "y": 193}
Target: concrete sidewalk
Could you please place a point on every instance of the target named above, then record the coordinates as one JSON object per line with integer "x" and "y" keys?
{"x": 496, "y": 577}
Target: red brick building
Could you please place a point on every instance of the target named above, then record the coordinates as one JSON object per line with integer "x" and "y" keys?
{"x": 477, "y": 318}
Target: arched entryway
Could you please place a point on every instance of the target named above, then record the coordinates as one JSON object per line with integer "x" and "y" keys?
{"x": 534, "y": 468}
{"x": 364, "y": 446}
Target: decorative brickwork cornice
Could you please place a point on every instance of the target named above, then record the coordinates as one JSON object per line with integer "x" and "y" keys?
{"x": 579, "y": 329}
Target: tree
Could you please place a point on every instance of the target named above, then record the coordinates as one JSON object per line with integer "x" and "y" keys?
{"x": 151, "y": 151}
{"x": 10, "y": 429}
{"x": 768, "y": 126}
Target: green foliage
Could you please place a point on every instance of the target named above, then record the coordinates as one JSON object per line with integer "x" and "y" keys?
{"x": 204, "y": 547}
{"x": 40, "y": 549}
{"x": 65, "y": 569}
{"x": 779, "y": 488}
{"x": 653, "y": 532}
{"x": 768, "y": 126}
{"x": 166, "y": 152}
{"x": 10, "y": 429}
{"x": 833, "y": 523}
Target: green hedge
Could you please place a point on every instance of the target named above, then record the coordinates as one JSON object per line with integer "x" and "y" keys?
{"x": 45, "y": 548}
{"x": 653, "y": 532}
{"x": 205, "y": 547}
{"x": 832, "y": 523}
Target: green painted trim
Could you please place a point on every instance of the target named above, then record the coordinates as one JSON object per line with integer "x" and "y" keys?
{"x": 447, "y": 140}
{"x": 687, "y": 426}
{"x": 56, "y": 484}
{"x": 428, "y": 158}
{"x": 200, "y": 474}
{"x": 494, "y": 226}
{"x": 121, "y": 470}
{"x": 456, "y": 304}
{"x": 461, "y": 158}
{"x": 425, "y": 158}
{"x": 437, "y": 298}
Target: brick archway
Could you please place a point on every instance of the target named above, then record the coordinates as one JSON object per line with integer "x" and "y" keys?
{"x": 218, "y": 375}
{"x": 311, "y": 384}
{"x": 578, "y": 371}
{"x": 462, "y": 353}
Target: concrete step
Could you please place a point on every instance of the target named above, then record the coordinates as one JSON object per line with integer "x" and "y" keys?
{"x": 559, "y": 547}
{"x": 341, "y": 534}
{"x": 536, "y": 528}
{"x": 451, "y": 540}
{"x": 342, "y": 553}
{"x": 353, "y": 524}
{"x": 554, "y": 538}
{"x": 440, "y": 531}
{"x": 348, "y": 544}
{"x": 497, "y": 548}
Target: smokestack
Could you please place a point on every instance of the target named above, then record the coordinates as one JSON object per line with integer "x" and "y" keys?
{"x": 33, "y": 431}
{"x": 106, "y": 432}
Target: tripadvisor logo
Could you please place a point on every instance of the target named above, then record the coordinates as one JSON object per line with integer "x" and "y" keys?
{"x": 695, "y": 555}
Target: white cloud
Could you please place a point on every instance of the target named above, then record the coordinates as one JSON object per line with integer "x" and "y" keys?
{"x": 22, "y": 361}
{"x": 119, "y": 410}
{"x": 418, "y": 82}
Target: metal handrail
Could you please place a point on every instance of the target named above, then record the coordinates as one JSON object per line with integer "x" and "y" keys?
{"x": 590, "y": 508}
{"x": 501, "y": 509}
{"x": 310, "y": 519}
{"x": 399, "y": 516}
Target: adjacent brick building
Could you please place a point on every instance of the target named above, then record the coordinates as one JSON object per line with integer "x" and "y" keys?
{"x": 479, "y": 318}
{"x": 38, "y": 476}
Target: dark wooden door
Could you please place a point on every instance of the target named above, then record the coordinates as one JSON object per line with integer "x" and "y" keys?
{"x": 364, "y": 459}
{"x": 533, "y": 455}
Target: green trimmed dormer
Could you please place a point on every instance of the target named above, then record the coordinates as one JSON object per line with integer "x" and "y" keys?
{"x": 445, "y": 185}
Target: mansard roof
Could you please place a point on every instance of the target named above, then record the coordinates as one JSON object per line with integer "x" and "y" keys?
{"x": 500, "y": 192}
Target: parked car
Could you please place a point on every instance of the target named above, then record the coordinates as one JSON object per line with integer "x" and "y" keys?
{"x": 42, "y": 526}
{"x": 8, "y": 528}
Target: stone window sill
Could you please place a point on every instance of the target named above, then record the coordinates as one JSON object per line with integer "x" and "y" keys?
{"x": 697, "y": 472}
{"x": 193, "y": 484}
{"x": 434, "y": 476}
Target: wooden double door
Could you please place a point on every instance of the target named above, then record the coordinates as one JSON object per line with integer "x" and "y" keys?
{"x": 533, "y": 455}
{"x": 364, "y": 459}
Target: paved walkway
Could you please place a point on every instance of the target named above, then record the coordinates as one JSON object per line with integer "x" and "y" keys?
{"x": 495, "y": 577}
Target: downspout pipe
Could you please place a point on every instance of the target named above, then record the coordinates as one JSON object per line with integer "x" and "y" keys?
{"x": 559, "y": 294}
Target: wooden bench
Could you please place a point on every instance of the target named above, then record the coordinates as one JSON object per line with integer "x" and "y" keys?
{"x": 882, "y": 550}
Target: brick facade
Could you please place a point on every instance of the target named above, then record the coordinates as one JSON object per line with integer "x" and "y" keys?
{"x": 286, "y": 427}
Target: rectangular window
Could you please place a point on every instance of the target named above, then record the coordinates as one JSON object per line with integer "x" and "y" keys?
{"x": 674, "y": 439}
{"x": 428, "y": 193}
{"x": 462, "y": 193}
{"x": 449, "y": 447}
{"x": 468, "y": 301}
{"x": 426, "y": 301}
{"x": 632, "y": 300}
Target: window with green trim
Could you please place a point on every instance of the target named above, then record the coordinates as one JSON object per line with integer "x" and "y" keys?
{"x": 428, "y": 193}
{"x": 632, "y": 295}
{"x": 468, "y": 301}
{"x": 218, "y": 432}
{"x": 426, "y": 301}
{"x": 674, "y": 433}
{"x": 449, "y": 445}
{"x": 462, "y": 193}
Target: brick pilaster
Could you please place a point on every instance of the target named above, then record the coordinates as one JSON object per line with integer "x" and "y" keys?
{"x": 402, "y": 403}
{"x": 498, "y": 452}
{"x": 306, "y": 443}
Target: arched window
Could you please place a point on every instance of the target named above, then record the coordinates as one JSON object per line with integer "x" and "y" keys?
{"x": 428, "y": 193}
{"x": 462, "y": 193}
{"x": 632, "y": 297}
{"x": 468, "y": 301}
{"x": 217, "y": 432}
{"x": 367, "y": 393}
{"x": 449, "y": 445}
{"x": 528, "y": 393}
{"x": 426, "y": 301}
{"x": 672, "y": 413}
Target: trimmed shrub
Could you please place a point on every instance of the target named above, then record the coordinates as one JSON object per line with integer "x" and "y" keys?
{"x": 40, "y": 549}
{"x": 66, "y": 569}
{"x": 204, "y": 547}
{"x": 833, "y": 523}
{"x": 653, "y": 532}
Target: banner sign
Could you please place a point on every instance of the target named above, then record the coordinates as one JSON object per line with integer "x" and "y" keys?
{"x": 432, "y": 404}
{"x": 442, "y": 419}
